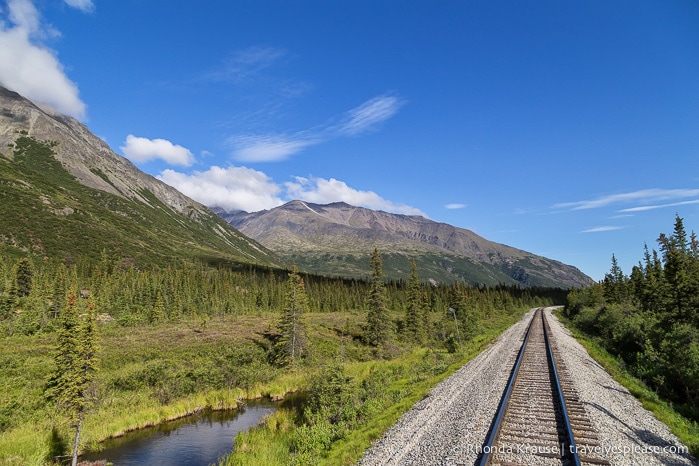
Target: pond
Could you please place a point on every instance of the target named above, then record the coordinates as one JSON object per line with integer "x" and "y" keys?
{"x": 196, "y": 440}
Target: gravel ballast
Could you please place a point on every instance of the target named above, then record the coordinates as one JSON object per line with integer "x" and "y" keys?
{"x": 450, "y": 425}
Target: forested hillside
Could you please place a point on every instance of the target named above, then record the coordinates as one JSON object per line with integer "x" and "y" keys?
{"x": 650, "y": 318}
{"x": 64, "y": 193}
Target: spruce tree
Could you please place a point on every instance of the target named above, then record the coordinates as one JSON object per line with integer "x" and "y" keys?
{"x": 158, "y": 314}
{"x": 23, "y": 276}
{"x": 615, "y": 284}
{"x": 458, "y": 312}
{"x": 693, "y": 285}
{"x": 76, "y": 364}
{"x": 378, "y": 329}
{"x": 676, "y": 253}
{"x": 414, "y": 318}
{"x": 292, "y": 343}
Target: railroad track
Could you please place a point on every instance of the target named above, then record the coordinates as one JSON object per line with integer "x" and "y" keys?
{"x": 541, "y": 419}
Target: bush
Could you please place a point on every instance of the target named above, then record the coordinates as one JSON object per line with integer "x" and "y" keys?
{"x": 680, "y": 350}
{"x": 332, "y": 397}
{"x": 452, "y": 343}
{"x": 309, "y": 441}
{"x": 586, "y": 320}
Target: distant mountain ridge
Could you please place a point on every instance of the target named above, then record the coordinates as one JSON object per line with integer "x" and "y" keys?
{"x": 63, "y": 191}
{"x": 337, "y": 239}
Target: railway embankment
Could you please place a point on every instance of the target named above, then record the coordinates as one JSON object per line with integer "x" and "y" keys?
{"x": 451, "y": 425}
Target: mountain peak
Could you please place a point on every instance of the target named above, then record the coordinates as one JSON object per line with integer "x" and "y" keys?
{"x": 337, "y": 239}
{"x": 299, "y": 204}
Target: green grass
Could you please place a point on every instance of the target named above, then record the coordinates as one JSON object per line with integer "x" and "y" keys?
{"x": 350, "y": 449}
{"x": 152, "y": 374}
{"x": 268, "y": 444}
{"x": 148, "y": 375}
{"x": 414, "y": 375}
{"x": 686, "y": 430}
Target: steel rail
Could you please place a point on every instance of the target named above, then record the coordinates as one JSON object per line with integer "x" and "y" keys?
{"x": 559, "y": 390}
{"x": 571, "y": 452}
{"x": 495, "y": 430}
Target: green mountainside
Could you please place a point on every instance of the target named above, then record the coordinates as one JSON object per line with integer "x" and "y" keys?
{"x": 337, "y": 239}
{"x": 63, "y": 198}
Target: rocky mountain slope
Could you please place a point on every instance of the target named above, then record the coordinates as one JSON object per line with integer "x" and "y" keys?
{"x": 337, "y": 239}
{"x": 63, "y": 191}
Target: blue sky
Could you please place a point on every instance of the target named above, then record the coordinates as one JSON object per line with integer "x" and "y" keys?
{"x": 568, "y": 129}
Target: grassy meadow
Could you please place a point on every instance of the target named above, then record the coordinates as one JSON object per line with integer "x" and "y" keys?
{"x": 150, "y": 374}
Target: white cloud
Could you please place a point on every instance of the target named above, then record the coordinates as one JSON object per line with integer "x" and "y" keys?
{"x": 232, "y": 188}
{"x": 271, "y": 148}
{"x": 659, "y": 206}
{"x": 141, "y": 150}
{"x": 454, "y": 206}
{"x": 368, "y": 115}
{"x": 322, "y": 191}
{"x": 84, "y": 5}
{"x": 25, "y": 16}
{"x": 246, "y": 64}
{"x": 601, "y": 229}
{"x": 28, "y": 67}
{"x": 242, "y": 188}
{"x": 276, "y": 147}
{"x": 644, "y": 195}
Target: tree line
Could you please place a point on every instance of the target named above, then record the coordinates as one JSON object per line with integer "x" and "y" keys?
{"x": 650, "y": 318}
{"x": 33, "y": 292}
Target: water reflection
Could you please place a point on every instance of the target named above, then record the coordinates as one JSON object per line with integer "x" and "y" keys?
{"x": 197, "y": 440}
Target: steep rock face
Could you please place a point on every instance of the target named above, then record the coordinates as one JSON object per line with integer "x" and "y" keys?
{"x": 84, "y": 155}
{"x": 313, "y": 234}
{"x": 121, "y": 207}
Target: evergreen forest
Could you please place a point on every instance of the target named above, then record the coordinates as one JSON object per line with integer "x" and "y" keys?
{"x": 649, "y": 319}
{"x": 32, "y": 294}
{"x": 95, "y": 347}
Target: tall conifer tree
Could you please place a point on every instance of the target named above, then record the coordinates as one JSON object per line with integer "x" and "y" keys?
{"x": 414, "y": 314}
{"x": 76, "y": 364}
{"x": 378, "y": 329}
{"x": 615, "y": 284}
{"x": 23, "y": 276}
{"x": 676, "y": 253}
{"x": 158, "y": 314}
{"x": 292, "y": 343}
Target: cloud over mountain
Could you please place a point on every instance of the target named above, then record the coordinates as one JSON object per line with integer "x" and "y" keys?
{"x": 30, "y": 68}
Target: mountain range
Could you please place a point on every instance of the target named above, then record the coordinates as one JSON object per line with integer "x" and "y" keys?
{"x": 337, "y": 239}
{"x": 64, "y": 194}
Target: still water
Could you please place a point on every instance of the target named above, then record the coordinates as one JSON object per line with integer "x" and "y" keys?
{"x": 197, "y": 440}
